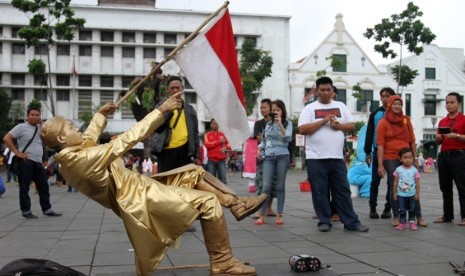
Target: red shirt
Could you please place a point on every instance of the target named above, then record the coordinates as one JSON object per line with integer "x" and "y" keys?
{"x": 457, "y": 125}
{"x": 216, "y": 150}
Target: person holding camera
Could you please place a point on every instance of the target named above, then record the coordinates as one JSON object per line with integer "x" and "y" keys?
{"x": 275, "y": 151}
{"x": 451, "y": 160}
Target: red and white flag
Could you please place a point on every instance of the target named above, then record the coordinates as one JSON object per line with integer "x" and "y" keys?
{"x": 74, "y": 69}
{"x": 210, "y": 64}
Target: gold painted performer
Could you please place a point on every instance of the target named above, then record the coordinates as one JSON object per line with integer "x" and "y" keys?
{"x": 154, "y": 215}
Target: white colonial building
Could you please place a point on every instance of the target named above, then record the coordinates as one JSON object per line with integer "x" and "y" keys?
{"x": 441, "y": 71}
{"x": 120, "y": 40}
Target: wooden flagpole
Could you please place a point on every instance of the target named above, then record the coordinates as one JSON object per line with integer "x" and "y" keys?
{"x": 172, "y": 54}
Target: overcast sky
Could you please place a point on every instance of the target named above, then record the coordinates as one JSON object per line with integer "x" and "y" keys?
{"x": 313, "y": 20}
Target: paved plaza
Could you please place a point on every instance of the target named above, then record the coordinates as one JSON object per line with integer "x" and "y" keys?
{"x": 92, "y": 239}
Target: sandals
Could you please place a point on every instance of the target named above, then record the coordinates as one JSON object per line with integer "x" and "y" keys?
{"x": 461, "y": 223}
{"x": 444, "y": 220}
{"x": 260, "y": 220}
{"x": 279, "y": 220}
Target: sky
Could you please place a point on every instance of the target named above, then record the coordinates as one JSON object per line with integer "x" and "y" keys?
{"x": 312, "y": 20}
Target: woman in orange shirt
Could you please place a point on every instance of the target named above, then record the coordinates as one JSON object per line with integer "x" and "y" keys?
{"x": 395, "y": 132}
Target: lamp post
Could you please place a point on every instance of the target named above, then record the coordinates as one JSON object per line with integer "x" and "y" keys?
{"x": 433, "y": 121}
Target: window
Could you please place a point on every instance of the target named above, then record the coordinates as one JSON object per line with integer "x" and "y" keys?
{"x": 126, "y": 81}
{"x": 41, "y": 49}
{"x": 129, "y": 52}
{"x": 17, "y": 79}
{"x": 362, "y": 103}
{"x": 105, "y": 97}
{"x": 1, "y": 46}
{"x": 150, "y": 37}
{"x": 106, "y": 36}
{"x": 62, "y": 80}
{"x": 62, "y": 95}
{"x": 85, "y": 35}
{"x": 40, "y": 80}
{"x": 461, "y": 98}
{"x": 14, "y": 32}
{"x": 18, "y": 49}
{"x": 168, "y": 51}
{"x": 17, "y": 94}
{"x": 187, "y": 84}
{"x": 40, "y": 94}
{"x": 191, "y": 98}
{"x": 84, "y": 102}
{"x": 408, "y": 104}
{"x": 126, "y": 112}
{"x": 170, "y": 38}
{"x": 341, "y": 95}
{"x": 106, "y": 51}
{"x": 106, "y": 81}
{"x": 430, "y": 73}
{"x": 254, "y": 39}
{"x": 129, "y": 37}
{"x": 85, "y": 50}
{"x": 149, "y": 53}
{"x": 63, "y": 50}
{"x": 1, "y": 78}
{"x": 430, "y": 104}
{"x": 85, "y": 80}
{"x": 1, "y": 30}
{"x": 341, "y": 61}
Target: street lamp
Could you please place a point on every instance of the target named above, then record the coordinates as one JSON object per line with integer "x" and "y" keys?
{"x": 434, "y": 120}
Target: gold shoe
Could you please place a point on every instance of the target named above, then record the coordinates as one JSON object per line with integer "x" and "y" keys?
{"x": 245, "y": 206}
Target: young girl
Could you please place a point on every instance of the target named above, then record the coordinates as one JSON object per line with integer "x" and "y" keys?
{"x": 408, "y": 190}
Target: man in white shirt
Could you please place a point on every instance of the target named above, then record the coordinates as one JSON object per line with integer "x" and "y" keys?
{"x": 325, "y": 122}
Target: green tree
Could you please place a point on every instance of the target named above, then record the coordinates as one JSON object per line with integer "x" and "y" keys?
{"x": 404, "y": 75}
{"x": 5, "y": 106}
{"x": 49, "y": 21}
{"x": 404, "y": 29}
{"x": 255, "y": 66}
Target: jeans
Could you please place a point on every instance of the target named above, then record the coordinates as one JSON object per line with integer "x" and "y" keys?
{"x": 375, "y": 181}
{"x": 275, "y": 165}
{"x": 217, "y": 169}
{"x": 9, "y": 173}
{"x": 451, "y": 169}
{"x": 259, "y": 181}
{"x": 406, "y": 204}
{"x": 33, "y": 171}
{"x": 331, "y": 174}
{"x": 390, "y": 166}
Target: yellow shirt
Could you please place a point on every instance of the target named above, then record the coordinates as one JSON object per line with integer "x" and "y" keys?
{"x": 179, "y": 135}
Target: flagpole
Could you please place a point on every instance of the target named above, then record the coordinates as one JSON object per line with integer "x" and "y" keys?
{"x": 172, "y": 54}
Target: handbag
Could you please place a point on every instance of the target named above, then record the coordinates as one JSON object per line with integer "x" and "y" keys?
{"x": 159, "y": 140}
{"x": 16, "y": 161}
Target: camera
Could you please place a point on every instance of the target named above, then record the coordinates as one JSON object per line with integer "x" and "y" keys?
{"x": 444, "y": 130}
{"x": 272, "y": 115}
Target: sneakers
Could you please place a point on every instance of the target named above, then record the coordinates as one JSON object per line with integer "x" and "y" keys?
{"x": 386, "y": 214}
{"x": 401, "y": 226}
{"x": 53, "y": 214}
{"x": 374, "y": 214}
{"x": 30, "y": 216}
{"x": 412, "y": 225}
{"x": 324, "y": 227}
{"x": 360, "y": 228}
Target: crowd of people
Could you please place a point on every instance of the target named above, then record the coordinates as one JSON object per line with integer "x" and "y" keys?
{"x": 172, "y": 131}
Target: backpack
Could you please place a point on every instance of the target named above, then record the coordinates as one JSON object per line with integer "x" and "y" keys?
{"x": 37, "y": 267}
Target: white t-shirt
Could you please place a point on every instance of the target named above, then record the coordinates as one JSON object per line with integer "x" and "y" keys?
{"x": 325, "y": 142}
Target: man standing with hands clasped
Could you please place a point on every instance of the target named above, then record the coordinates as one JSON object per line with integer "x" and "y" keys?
{"x": 451, "y": 160}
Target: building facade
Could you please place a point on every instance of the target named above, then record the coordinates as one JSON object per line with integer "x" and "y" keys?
{"x": 118, "y": 43}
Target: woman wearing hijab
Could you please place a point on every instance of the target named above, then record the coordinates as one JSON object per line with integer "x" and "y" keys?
{"x": 395, "y": 132}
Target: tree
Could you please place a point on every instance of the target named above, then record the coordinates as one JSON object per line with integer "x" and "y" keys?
{"x": 5, "y": 106}
{"x": 49, "y": 21}
{"x": 404, "y": 29}
{"x": 255, "y": 66}
{"x": 404, "y": 75}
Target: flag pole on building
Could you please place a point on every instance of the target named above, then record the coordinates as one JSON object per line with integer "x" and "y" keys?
{"x": 172, "y": 54}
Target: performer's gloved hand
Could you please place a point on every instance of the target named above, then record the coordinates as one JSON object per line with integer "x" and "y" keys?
{"x": 172, "y": 103}
{"x": 108, "y": 109}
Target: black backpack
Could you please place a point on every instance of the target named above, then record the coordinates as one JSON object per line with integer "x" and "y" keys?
{"x": 37, "y": 267}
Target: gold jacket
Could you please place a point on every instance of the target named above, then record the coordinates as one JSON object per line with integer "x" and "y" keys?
{"x": 154, "y": 215}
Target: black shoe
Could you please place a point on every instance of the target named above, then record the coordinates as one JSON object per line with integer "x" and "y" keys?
{"x": 324, "y": 227}
{"x": 359, "y": 228}
{"x": 53, "y": 214}
{"x": 30, "y": 216}
{"x": 386, "y": 214}
{"x": 191, "y": 229}
{"x": 374, "y": 214}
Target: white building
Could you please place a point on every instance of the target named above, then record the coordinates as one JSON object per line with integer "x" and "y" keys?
{"x": 441, "y": 71}
{"x": 120, "y": 41}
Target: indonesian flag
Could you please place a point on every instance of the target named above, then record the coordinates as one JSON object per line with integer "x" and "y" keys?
{"x": 210, "y": 64}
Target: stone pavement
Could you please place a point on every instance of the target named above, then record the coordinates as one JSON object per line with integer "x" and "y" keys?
{"x": 92, "y": 240}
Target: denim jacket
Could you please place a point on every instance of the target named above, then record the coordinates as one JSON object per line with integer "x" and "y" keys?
{"x": 274, "y": 142}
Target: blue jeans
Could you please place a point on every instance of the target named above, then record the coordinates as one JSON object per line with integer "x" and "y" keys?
{"x": 33, "y": 171}
{"x": 331, "y": 174}
{"x": 390, "y": 166}
{"x": 275, "y": 165}
{"x": 217, "y": 169}
{"x": 406, "y": 204}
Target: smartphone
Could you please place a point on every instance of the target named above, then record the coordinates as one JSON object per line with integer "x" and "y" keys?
{"x": 272, "y": 115}
{"x": 444, "y": 130}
